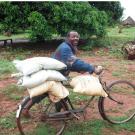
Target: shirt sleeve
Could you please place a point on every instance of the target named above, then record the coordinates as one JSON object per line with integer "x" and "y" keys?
{"x": 67, "y": 56}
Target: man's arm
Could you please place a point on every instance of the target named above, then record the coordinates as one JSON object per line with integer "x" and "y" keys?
{"x": 67, "y": 56}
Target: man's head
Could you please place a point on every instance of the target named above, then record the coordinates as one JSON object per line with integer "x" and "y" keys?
{"x": 73, "y": 38}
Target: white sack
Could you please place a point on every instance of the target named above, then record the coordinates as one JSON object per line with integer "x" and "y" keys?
{"x": 40, "y": 77}
{"x": 88, "y": 85}
{"x": 32, "y": 65}
{"x": 27, "y": 67}
{"x": 55, "y": 89}
{"x": 54, "y": 75}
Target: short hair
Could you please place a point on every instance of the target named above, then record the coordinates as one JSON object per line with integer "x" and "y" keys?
{"x": 68, "y": 34}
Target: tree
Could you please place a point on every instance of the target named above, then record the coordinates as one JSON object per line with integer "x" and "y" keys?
{"x": 10, "y": 14}
{"x": 113, "y": 10}
{"x": 79, "y": 16}
{"x": 39, "y": 27}
{"x": 54, "y": 18}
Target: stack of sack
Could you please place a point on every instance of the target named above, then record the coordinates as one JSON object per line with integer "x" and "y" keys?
{"x": 40, "y": 75}
{"x": 88, "y": 85}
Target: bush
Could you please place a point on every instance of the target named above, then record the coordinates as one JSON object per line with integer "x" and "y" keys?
{"x": 78, "y": 16}
{"x": 1, "y": 27}
{"x": 53, "y": 18}
{"x": 11, "y": 20}
{"x": 40, "y": 29}
{"x": 96, "y": 42}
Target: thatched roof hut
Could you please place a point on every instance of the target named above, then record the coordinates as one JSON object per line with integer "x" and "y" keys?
{"x": 129, "y": 21}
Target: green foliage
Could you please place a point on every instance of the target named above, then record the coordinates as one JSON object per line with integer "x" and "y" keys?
{"x": 10, "y": 22}
{"x": 65, "y": 16}
{"x": 14, "y": 15}
{"x": 39, "y": 26}
{"x": 48, "y": 18}
{"x": 112, "y": 8}
{"x": 79, "y": 16}
{"x": 1, "y": 27}
{"x": 95, "y": 42}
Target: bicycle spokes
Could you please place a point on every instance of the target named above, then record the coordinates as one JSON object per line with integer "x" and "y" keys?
{"x": 119, "y": 106}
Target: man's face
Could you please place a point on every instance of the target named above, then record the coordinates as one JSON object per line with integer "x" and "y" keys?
{"x": 74, "y": 38}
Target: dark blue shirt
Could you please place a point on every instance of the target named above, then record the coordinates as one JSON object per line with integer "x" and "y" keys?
{"x": 65, "y": 53}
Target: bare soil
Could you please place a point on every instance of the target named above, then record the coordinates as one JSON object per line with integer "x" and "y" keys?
{"x": 112, "y": 64}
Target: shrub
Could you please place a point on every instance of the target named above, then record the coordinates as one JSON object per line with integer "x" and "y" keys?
{"x": 39, "y": 27}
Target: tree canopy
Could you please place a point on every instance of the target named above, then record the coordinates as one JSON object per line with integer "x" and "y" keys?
{"x": 113, "y": 9}
{"x": 46, "y": 19}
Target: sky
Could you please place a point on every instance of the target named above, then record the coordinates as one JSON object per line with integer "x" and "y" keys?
{"x": 129, "y": 6}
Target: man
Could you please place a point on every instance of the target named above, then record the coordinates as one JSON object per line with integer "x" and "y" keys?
{"x": 66, "y": 52}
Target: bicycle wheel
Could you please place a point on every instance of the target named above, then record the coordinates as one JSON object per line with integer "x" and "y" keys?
{"x": 38, "y": 114}
{"x": 119, "y": 106}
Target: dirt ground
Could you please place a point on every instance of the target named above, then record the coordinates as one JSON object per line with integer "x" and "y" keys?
{"x": 111, "y": 64}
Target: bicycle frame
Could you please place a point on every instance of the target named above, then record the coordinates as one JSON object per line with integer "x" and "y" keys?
{"x": 71, "y": 113}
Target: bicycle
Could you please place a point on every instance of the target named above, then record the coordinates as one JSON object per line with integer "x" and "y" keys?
{"x": 113, "y": 108}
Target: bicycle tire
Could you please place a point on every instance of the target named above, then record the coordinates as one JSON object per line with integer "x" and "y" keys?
{"x": 26, "y": 125}
{"x": 119, "y": 106}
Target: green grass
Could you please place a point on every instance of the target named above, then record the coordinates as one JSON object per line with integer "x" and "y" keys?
{"x": 13, "y": 92}
{"x": 44, "y": 129}
{"x": 95, "y": 127}
{"x": 116, "y": 73}
{"x": 77, "y": 97}
{"x": 129, "y": 126}
{"x": 11, "y": 54}
{"x": 7, "y": 56}
{"x": 8, "y": 122}
{"x": 120, "y": 38}
{"x": 128, "y": 32}
{"x": 114, "y": 41}
{"x": 6, "y": 67}
{"x": 114, "y": 44}
{"x": 116, "y": 52}
{"x": 91, "y": 127}
{"x": 73, "y": 128}
{"x": 17, "y": 36}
